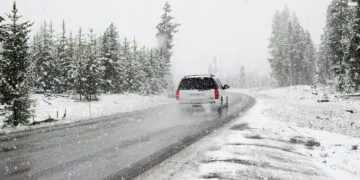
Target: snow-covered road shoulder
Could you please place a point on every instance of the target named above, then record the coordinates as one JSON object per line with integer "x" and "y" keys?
{"x": 303, "y": 107}
{"x": 256, "y": 146}
{"x": 67, "y": 109}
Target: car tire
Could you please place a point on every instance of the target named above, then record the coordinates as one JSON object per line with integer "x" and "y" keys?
{"x": 227, "y": 102}
{"x": 220, "y": 109}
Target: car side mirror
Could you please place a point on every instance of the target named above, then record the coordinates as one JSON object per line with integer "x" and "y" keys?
{"x": 226, "y": 86}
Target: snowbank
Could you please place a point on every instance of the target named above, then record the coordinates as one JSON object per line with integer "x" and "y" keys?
{"x": 299, "y": 105}
{"x": 67, "y": 109}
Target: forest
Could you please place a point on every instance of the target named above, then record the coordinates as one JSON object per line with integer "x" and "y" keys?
{"x": 81, "y": 62}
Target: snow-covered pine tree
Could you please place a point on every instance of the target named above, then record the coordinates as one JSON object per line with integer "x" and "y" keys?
{"x": 33, "y": 52}
{"x": 46, "y": 70}
{"x": 79, "y": 67}
{"x": 165, "y": 35}
{"x": 56, "y": 64}
{"x": 158, "y": 77}
{"x": 274, "y": 50}
{"x": 70, "y": 51}
{"x": 36, "y": 58}
{"x": 297, "y": 49}
{"x": 291, "y": 51}
{"x": 151, "y": 73}
{"x": 93, "y": 68}
{"x": 2, "y": 36}
{"x": 110, "y": 56}
{"x": 309, "y": 62}
{"x": 303, "y": 57}
{"x": 154, "y": 86}
{"x": 64, "y": 61}
{"x": 335, "y": 38}
{"x": 14, "y": 64}
{"x": 323, "y": 61}
{"x": 286, "y": 48}
{"x": 126, "y": 61}
{"x": 133, "y": 68}
{"x": 2, "y": 30}
{"x": 145, "y": 73}
{"x": 338, "y": 33}
{"x": 354, "y": 50}
{"x": 279, "y": 47}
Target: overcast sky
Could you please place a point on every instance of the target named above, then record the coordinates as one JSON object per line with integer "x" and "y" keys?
{"x": 235, "y": 31}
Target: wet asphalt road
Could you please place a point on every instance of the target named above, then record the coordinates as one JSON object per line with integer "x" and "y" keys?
{"x": 114, "y": 147}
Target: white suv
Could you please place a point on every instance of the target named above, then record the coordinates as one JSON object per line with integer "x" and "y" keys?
{"x": 197, "y": 92}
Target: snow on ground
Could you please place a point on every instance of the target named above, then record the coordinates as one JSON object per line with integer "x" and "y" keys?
{"x": 298, "y": 105}
{"x": 55, "y": 107}
{"x": 266, "y": 143}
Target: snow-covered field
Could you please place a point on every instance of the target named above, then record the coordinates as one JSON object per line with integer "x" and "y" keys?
{"x": 280, "y": 138}
{"x": 66, "y": 109}
{"x": 299, "y": 105}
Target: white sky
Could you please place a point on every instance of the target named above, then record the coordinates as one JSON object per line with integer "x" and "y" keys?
{"x": 235, "y": 31}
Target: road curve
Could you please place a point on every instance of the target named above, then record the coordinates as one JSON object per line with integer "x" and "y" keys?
{"x": 115, "y": 147}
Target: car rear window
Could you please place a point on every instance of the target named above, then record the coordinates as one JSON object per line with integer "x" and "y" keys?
{"x": 201, "y": 83}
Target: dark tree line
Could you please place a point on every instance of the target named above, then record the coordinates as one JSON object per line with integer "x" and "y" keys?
{"x": 339, "y": 53}
{"x": 81, "y": 62}
{"x": 338, "y": 59}
{"x": 292, "y": 52}
{"x": 89, "y": 64}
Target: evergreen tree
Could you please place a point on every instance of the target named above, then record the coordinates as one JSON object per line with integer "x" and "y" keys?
{"x": 126, "y": 62}
{"x": 279, "y": 47}
{"x": 156, "y": 64}
{"x": 292, "y": 53}
{"x": 338, "y": 34}
{"x": 2, "y": 37}
{"x": 79, "y": 67}
{"x": 34, "y": 51}
{"x": 166, "y": 31}
{"x": 298, "y": 45}
{"x": 14, "y": 85}
{"x": 93, "y": 68}
{"x": 288, "y": 55}
{"x": 354, "y": 50}
{"x": 110, "y": 56}
{"x": 2, "y": 30}
{"x": 134, "y": 69}
{"x": 70, "y": 51}
{"x": 46, "y": 65}
{"x": 309, "y": 67}
{"x": 145, "y": 73}
{"x": 323, "y": 62}
{"x": 56, "y": 62}
{"x": 64, "y": 60}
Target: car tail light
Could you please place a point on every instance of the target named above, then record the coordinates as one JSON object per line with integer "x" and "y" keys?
{"x": 177, "y": 94}
{"x": 216, "y": 93}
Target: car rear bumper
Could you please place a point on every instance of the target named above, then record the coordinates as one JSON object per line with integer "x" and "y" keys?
{"x": 199, "y": 106}
{"x": 199, "y": 101}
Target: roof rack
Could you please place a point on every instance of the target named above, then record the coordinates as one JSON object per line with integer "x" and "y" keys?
{"x": 201, "y": 75}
